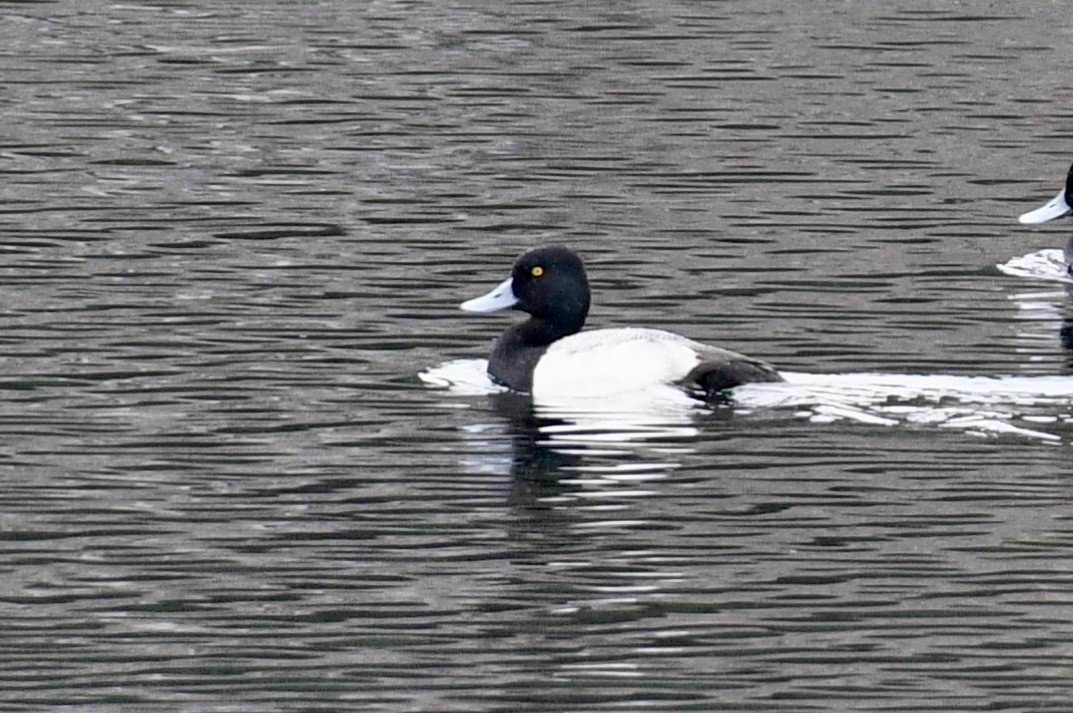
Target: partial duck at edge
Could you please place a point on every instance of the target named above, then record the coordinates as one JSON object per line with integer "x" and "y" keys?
{"x": 1060, "y": 205}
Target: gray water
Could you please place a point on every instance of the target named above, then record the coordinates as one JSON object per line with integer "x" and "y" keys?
{"x": 235, "y": 234}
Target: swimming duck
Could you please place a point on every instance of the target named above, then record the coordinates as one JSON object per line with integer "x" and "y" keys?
{"x": 1055, "y": 208}
{"x": 549, "y": 356}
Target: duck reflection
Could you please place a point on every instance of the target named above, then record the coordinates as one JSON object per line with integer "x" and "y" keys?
{"x": 558, "y": 444}
{"x": 1065, "y": 335}
{"x": 562, "y": 449}
{"x": 1042, "y": 315}
{"x": 535, "y": 466}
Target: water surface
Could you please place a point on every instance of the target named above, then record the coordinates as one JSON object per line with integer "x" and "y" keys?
{"x": 236, "y": 236}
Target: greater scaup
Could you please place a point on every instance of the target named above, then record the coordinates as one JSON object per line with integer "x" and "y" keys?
{"x": 549, "y": 356}
{"x": 1061, "y": 204}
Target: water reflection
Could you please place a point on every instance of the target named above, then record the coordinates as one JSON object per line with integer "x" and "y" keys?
{"x": 583, "y": 493}
{"x": 609, "y": 425}
{"x": 1043, "y": 315}
{"x": 561, "y": 440}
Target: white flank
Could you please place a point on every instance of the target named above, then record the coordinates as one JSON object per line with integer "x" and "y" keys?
{"x": 610, "y": 361}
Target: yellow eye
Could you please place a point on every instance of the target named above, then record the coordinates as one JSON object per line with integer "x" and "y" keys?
{"x": 537, "y": 271}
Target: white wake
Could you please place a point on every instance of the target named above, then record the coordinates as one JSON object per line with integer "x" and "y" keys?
{"x": 1027, "y": 406}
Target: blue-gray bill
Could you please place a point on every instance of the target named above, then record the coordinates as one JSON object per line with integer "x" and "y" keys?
{"x": 1054, "y": 208}
{"x": 499, "y": 298}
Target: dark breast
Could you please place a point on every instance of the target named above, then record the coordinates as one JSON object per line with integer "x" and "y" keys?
{"x": 512, "y": 361}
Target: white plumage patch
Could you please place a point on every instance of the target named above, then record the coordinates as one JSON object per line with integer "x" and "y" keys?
{"x": 608, "y": 361}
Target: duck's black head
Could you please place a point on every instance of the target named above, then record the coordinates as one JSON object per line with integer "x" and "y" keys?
{"x": 551, "y": 285}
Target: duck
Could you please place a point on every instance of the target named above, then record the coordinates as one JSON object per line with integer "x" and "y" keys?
{"x": 1060, "y": 205}
{"x": 549, "y": 356}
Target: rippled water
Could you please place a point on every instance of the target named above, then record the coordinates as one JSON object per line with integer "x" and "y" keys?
{"x": 250, "y": 460}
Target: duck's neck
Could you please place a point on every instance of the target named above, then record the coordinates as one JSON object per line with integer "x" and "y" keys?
{"x": 536, "y": 332}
